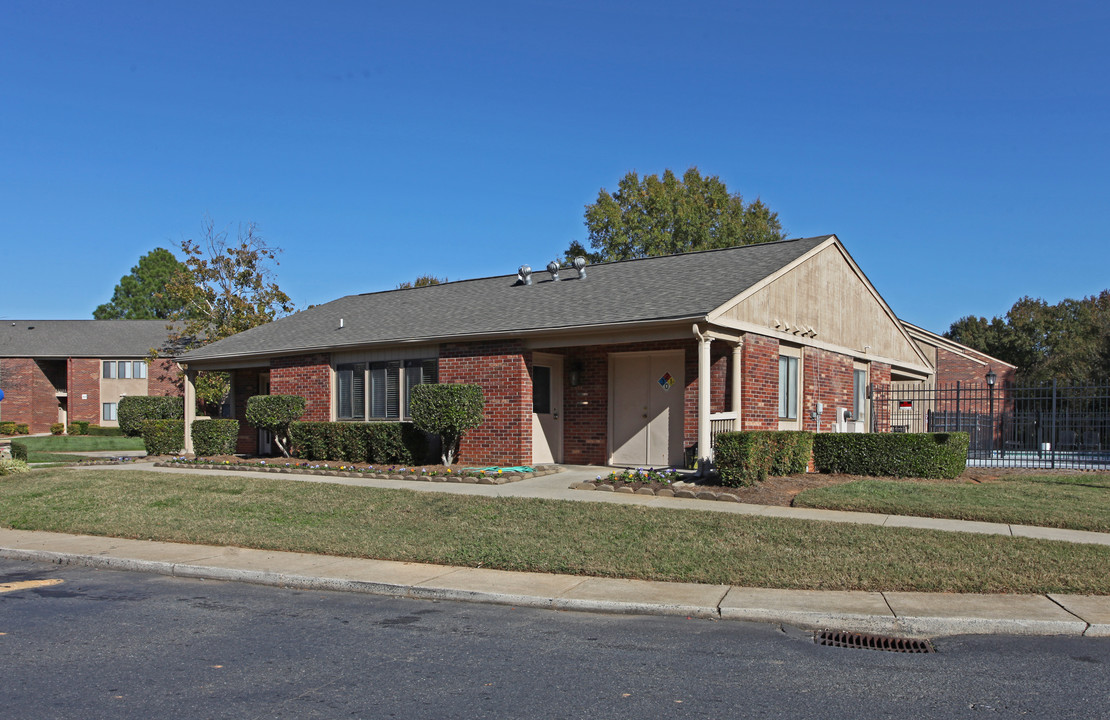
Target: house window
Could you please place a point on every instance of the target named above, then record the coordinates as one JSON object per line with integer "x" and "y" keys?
{"x": 418, "y": 372}
{"x": 124, "y": 369}
{"x": 788, "y": 387}
{"x": 350, "y": 391}
{"x": 109, "y": 411}
{"x": 383, "y": 388}
{"x": 541, "y": 389}
{"x": 859, "y": 394}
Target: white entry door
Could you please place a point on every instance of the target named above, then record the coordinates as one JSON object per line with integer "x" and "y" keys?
{"x": 646, "y": 408}
{"x": 547, "y": 408}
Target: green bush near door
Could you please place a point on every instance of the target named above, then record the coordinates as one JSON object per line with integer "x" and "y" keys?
{"x": 745, "y": 458}
{"x": 923, "y": 455}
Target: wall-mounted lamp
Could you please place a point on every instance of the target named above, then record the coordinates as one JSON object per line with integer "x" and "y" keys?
{"x": 575, "y": 374}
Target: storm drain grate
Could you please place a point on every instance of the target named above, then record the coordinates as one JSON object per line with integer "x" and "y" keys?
{"x": 864, "y": 641}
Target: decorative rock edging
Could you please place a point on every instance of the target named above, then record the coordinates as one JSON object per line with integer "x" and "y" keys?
{"x": 475, "y": 478}
{"x": 685, "y": 492}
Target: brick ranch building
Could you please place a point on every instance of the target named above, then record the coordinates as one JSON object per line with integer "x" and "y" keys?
{"x": 64, "y": 371}
{"x": 635, "y": 363}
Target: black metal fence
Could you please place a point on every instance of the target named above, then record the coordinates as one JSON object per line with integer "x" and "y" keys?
{"x": 1051, "y": 426}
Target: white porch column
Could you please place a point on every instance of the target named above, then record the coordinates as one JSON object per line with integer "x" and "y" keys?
{"x": 737, "y": 386}
{"x": 705, "y": 451}
{"x": 190, "y": 407}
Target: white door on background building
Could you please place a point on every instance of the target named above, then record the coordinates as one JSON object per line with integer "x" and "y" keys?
{"x": 547, "y": 408}
{"x": 646, "y": 408}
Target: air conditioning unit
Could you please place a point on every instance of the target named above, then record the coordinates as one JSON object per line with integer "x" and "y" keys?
{"x": 845, "y": 424}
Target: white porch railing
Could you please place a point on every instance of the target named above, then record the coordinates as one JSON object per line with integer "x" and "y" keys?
{"x": 719, "y": 423}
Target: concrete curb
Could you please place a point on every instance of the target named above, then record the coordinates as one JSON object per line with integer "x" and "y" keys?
{"x": 899, "y": 614}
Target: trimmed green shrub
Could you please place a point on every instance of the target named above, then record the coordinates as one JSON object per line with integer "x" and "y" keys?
{"x": 923, "y": 455}
{"x": 745, "y": 458}
{"x": 57, "y": 428}
{"x": 79, "y": 427}
{"x": 215, "y": 437}
{"x": 448, "y": 410}
{"x": 11, "y": 466}
{"x": 97, "y": 431}
{"x": 398, "y": 443}
{"x": 7, "y": 427}
{"x": 19, "y": 451}
{"x": 393, "y": 443}
{"x": 163, "y": 437}
{"x": 22, "y": 429}
{"x": 133, "y": 410}
{"x": 275, "y": 413}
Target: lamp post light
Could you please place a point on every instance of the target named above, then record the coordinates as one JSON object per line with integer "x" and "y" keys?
{"x": 991, "y": 379}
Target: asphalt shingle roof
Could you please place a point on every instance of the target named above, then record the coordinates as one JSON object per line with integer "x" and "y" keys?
{"x": 81, "y": 338}
{"x": 671, "y": 287}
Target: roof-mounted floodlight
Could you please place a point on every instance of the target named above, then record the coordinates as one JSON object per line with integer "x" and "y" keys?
{"x": 580, "y": 266}
{"x": 553, "y": 268}
{"x": 525, "y": 274}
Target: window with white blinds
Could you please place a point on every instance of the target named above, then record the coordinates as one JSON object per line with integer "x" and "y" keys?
{"x": 380, "y": 390}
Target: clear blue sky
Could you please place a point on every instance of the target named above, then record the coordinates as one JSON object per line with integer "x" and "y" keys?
{"x": 959, "y": 149}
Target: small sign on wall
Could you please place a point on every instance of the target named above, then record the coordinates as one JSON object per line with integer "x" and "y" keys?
{"x": 666, "y": 381}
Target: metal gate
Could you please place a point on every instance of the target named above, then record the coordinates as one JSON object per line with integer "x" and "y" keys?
{"x": 1048, "y": 426}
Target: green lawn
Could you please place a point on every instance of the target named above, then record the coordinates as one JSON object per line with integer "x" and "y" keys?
{"x": 1079, "y": 502}
{"x": 79, "y": 443}
{"x": 67, "y": 448}
{"x": 584, "y": 538}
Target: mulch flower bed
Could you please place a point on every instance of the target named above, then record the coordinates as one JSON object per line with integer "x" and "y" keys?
{"x": 668, "y": 483}
{"x": 333, "y": 468}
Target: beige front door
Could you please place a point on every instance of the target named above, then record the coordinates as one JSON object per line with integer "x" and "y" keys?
{"x": 645, "y": 408}
{"x": 547, "y": 408}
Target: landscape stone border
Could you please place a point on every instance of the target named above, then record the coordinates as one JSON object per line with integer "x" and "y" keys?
{"x": 473, "y": 479}
{"x": 682, "y": 492}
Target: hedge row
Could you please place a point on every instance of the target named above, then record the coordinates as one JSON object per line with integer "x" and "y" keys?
{"x": 214, "y": 437}
{"x": 745, "y": 458}
{"x": 19, "y": 451}
{"x": 376, "y": 443}
{"x": 9, "y": 427}
{"x": 134, "y": 410}
{"x": 163, "y": 437}
{"x": 923, "y": 455}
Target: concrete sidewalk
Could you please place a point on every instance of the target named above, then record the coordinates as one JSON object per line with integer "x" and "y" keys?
{"x": 900, "y": 614}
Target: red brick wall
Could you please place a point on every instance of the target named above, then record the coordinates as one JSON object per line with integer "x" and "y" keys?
{"x": 880, "y": 380}
{"x": 84, "y": 379}
{"x": 952, "y": 368}
{"x": 502, "y": 369}
{"x": 17, "y": 378}
{"x": 308, "y": 376}
{"x": 163, "y": 377}
{"x": 759, "y": 380}
{"x": 586, "y": 408}
{"x": 244, "y": 385}
{"x": 827, "y": 379}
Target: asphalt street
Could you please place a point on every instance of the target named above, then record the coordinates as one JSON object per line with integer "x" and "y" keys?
{"x": 106, "y": 644}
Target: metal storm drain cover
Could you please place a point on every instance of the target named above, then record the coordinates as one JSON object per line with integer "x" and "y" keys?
{"x": 864, "y": 641}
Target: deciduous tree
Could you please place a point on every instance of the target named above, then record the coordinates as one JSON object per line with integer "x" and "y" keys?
{"x": 660, "y": 216}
